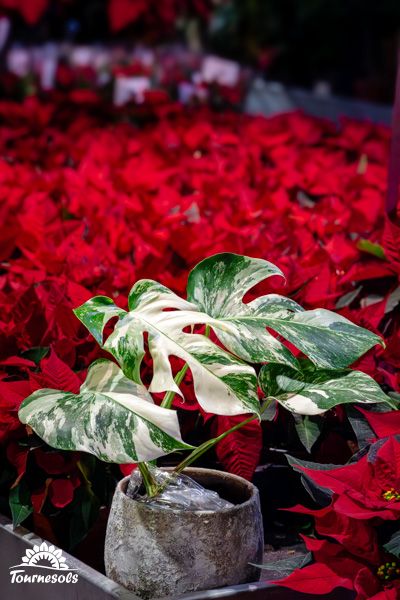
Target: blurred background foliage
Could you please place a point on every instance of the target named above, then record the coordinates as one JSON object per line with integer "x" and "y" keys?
{"x": 351, "y": 44}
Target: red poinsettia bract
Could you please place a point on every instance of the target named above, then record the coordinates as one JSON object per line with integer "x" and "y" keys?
{"x": 362, "y": 515}
{"x": 335, "y": 567}
{"x": 368, "y": 488}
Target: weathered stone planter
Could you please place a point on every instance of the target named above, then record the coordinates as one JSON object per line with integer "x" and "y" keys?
{"x": 158, "y": 552}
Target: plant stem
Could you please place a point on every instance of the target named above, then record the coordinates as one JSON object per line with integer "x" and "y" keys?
{"x": 203, "y": 448}
{"x": 169, "y": 396}
{"x": 150, "y": 484}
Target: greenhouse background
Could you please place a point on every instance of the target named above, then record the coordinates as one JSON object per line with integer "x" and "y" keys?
{"x": 199, "y": 259}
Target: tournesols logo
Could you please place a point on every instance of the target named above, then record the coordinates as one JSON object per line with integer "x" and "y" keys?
{"x": 37, "y": 566}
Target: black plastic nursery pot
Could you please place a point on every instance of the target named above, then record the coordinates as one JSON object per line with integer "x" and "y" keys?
{"x": 93, "y": 585}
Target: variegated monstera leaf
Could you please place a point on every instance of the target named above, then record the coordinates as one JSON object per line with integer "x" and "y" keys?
{"x": 223, "y": 384}
{"x": 112, "y": 417}
{"x": 312, "y": 391}
{"x": 217, "y": 286}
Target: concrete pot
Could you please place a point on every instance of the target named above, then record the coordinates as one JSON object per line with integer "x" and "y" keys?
{"x": 157, "y": 552}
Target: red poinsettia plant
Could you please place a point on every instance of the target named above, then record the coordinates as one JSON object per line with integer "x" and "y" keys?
{"x": 121, "y": 13}
{"x": 94, "y": 200}
{"x": 356, "y": 544}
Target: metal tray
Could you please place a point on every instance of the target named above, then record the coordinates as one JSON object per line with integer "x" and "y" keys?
{"x": 92, "y": 585}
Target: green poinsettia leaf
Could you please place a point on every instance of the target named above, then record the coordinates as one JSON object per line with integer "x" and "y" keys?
{"x": 83, "y": 512}
{"x": 36, "y": 353}
{"x": 307, "y": 430}
{"x": 360, "y": 426}
{"x": 371, "y": 248}
{"x": 270, "y": 413}
{"x": 20, "y": 503}
{"x": 298, "y": 464}
{"x": 223, "y": 384}
{"x": 112, "y": 417}
{"x": 217, "y": 286}
{"x": 319, "y": 494}
{"x": 312, "y": 391}
{"x": 393, "y": 545}
{"x": 285, "y": 566}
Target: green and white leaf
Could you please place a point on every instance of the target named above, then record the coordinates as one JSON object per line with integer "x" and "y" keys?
{"x": 217, "y": 286}
{"x": 223, "y": 383}
{"x": 312, "y": 391}
{"x": 95, "y": 314}
{"x": 395, "y": 398}
{"x": 218, "y": 283}
{"x": 112, "y": 417}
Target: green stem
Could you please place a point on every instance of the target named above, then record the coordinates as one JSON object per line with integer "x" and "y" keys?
{"x": 150, "y": 484}
{"x": 203, "y": 448}
{"x": 169, "y": 396}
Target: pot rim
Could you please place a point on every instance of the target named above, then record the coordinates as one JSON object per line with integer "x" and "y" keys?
{"x": 121, "y": 487}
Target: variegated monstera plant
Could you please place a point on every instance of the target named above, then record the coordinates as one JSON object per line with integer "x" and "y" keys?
{"x": 114, "y": 416}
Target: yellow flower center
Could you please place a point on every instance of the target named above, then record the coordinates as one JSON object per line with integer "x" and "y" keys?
{"x": 391, "y": 494}
{"x": 388, "y": 571}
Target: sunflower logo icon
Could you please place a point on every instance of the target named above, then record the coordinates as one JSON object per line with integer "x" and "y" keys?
{"x": 44, "y": 556}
